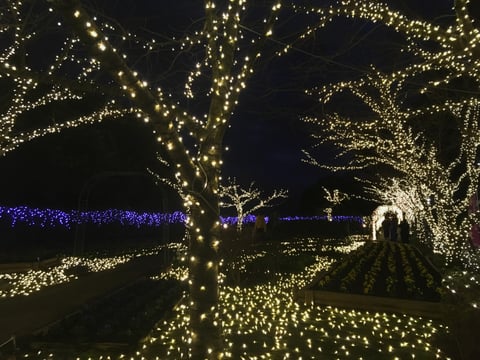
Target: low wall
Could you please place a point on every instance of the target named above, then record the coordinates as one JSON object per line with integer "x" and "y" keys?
{"x": 25, "y": 266}
{"x": 433, "y": 310}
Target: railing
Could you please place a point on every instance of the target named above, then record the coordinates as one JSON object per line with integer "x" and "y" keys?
{"x": 3, "y": 347}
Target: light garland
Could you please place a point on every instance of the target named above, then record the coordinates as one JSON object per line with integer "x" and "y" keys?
{"x": 264, "y": 322}
{"x": 49, "y": 218}
{"x": 27, "y": 283}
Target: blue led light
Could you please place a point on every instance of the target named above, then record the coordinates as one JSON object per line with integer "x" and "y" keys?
{"x": 23, "y": 215}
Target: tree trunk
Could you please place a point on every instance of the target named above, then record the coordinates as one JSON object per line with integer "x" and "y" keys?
{"x": 204, "y": 230}
{"x": 239, "y": 223}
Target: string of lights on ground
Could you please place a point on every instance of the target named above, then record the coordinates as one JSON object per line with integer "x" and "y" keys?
{"x": 262, "y": 321}
{"x": 22, "y": 215}
{"x": 26, "y": 283}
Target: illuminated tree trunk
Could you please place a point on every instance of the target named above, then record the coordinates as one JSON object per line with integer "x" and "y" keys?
{"x": 203, "y": 280}
{"x": 203, "y": 203}
{"x": 240, "y": 219}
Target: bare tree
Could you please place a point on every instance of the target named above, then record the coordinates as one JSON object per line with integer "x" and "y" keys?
{"x": 334, "y": 198}
{"x": 246, "y": 200}
{"x": 37, "y": 98}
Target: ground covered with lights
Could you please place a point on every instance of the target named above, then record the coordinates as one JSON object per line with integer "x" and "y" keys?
{"x": 261, "y": 320}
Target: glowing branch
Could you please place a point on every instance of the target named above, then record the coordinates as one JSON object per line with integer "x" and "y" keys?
{"x": 456, "y": 51}
{"x": 246, "y": 201}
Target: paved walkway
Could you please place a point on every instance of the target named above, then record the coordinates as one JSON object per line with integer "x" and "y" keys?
{"x": 23, "y": 315}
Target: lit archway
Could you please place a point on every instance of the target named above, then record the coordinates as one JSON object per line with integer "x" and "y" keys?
{"x": 378, "y": 216}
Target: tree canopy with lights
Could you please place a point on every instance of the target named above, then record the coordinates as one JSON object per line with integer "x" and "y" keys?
{"x": 46, "y": 88}
{"x": 441, "y": 79}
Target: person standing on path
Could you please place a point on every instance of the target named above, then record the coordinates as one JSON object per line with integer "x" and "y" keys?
{"x": 259, "y": 228}
{"x": 404, "y": 231}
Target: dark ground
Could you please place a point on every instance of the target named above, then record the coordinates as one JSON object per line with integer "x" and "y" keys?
{"x": 23, "y": 315}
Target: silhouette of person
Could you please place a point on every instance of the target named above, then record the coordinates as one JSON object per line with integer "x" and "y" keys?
{"x": 393, "y": 228}
{"x": 386, "y": 227}
{"x": 259, "y": 228}
{"x": 404, "y": 230}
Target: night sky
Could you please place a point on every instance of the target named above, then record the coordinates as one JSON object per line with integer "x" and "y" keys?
{"x": 266, "y": 136}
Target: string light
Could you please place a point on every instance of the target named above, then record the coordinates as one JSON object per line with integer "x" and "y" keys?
{"x": 50, "y": 218}
{"x": 334, "y": 197}
{"x": 264, "y": 321}
{"x": 457, "y": 51}
{"x": 32, "y": 88}
{"x": 221, "y": 39}
{"x": 33, "y": 280}
{"x": 424, "y": 176}
{"x": 246, "y": 200}
{"x": 197, "y": 182}
{"x": 47, "y": 218}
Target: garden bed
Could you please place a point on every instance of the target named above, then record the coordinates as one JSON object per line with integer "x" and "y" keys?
{"x": 113, "y": 325}
{"x": 380, "y": 276}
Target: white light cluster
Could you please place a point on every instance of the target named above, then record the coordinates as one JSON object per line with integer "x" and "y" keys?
{"x": 264, "y": 322}
{"x": 31, "y": 281}
{"x": 32, "y": 88}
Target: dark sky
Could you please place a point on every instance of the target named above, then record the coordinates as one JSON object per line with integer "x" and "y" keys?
{"x": 266, "y": 136}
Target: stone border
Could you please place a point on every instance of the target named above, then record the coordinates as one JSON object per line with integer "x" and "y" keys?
{"x": 33, "y": 265}
{"x": 434, "y": 310}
